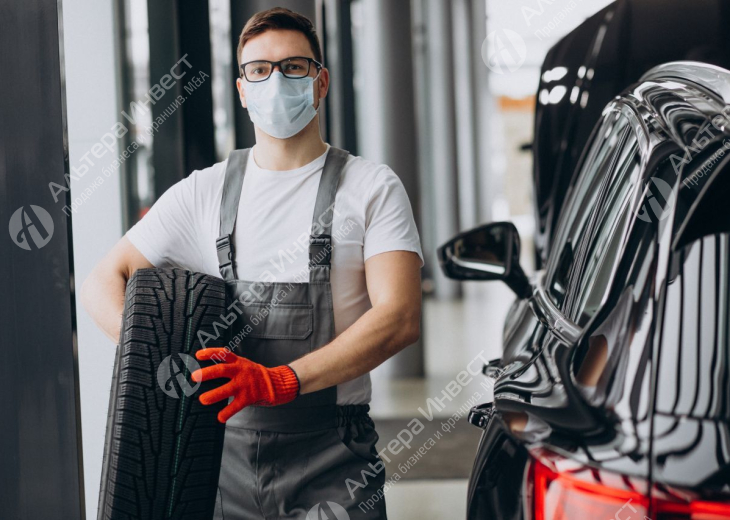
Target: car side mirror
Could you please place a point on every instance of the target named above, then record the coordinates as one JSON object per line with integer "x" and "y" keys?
{"x": 488, "y": 252}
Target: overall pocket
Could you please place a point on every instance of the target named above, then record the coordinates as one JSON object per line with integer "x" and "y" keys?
{"x": 280, "y": 321}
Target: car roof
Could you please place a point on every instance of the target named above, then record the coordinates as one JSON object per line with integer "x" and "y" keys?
{"x": 687, "y": 104}
{"x": 711, "y": 77}
{"x": 672, "y": 94}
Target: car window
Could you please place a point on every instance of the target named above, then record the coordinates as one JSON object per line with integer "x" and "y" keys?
{"x": 582, "y": 200}
{"x": 612, "y": 361}
{"x": 603, "y": 242}
{"x": 694, "y": 360}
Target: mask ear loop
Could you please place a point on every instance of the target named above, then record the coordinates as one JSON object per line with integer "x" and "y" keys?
{"x": 313, "y": 80}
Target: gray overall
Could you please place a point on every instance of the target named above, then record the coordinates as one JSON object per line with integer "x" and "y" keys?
{"x": 292, "y": 460}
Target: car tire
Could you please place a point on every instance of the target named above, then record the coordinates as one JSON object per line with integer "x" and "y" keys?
{"x": 162, "y": 453}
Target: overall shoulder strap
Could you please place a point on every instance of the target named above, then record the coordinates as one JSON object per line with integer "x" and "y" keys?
{"x": 232, "y": 184}
{"x": 320, "y": 239}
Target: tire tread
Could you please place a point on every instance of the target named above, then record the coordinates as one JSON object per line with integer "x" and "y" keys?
{"x": 162, "y": 455}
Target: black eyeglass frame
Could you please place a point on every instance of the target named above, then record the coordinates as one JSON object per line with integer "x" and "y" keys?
{"x": 274, "y": 64}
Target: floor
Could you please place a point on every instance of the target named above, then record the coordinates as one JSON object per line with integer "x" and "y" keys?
{"x": 432, "y": 484}
{"x": 433, "y": 499}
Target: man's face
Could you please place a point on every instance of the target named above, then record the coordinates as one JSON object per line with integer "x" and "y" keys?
{"x": 276, "y": 45}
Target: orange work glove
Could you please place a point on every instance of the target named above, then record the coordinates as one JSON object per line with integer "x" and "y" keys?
{"x": 250, "y": 383}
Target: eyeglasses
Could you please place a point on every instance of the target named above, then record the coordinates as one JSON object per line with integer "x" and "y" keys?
{"x": 296, "y": 67}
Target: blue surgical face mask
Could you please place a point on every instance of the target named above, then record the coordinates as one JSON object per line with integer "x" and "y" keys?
{"x": 281, "y": 106}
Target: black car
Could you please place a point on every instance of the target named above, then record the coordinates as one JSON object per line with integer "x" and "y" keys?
{"x": 595, "y": 62}
{"x": 612, "y": 397}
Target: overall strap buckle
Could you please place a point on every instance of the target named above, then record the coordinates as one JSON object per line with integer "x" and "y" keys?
{"x": 320, "y": 250}
{"x": 224, "y": 246}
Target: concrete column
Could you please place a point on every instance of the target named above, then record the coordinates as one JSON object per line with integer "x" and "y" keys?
{"x": 466, "y": 117}
{"x": 442, "y": 147}
{"x": 483, "y": 104}
{"x": 41, "y": 474}
{"x": 387, "y": 118}
{"x": 338, "y": 51}
{"x": 186, "y": 140}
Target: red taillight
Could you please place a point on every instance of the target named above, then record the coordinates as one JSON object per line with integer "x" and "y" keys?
{"x": 564, "y": 490}
{"x": 690, "y": 510}
{"x": 573, "y": 494}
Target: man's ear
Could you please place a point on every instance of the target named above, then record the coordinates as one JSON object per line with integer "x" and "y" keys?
{"x": 241, "y": 92}
{"x": 323, "y": 83}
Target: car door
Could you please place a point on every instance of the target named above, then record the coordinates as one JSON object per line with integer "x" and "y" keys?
{"x": 610, "y": 141}
{"x": 589, "y": 384}
{"x": 538, "y": 339}
{"x": 590, "y": 240}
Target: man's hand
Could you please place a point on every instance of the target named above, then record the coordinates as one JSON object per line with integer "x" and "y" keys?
{"x": 250, "y": 383}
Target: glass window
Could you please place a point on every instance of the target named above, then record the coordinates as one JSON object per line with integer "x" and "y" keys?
{"x": 603, "y": 244}
{"x": 576, "y": 213}
{"x": 612, "y": 364}
{"x": 138, "y": 180}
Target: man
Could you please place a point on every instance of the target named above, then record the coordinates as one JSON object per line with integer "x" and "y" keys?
{"x": 321, "y": 249}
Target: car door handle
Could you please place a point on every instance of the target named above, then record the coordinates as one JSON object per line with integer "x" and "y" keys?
{"x": 481, "y": 414}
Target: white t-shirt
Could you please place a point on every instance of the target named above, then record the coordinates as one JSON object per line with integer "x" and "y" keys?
{"x": 372, "y": 215}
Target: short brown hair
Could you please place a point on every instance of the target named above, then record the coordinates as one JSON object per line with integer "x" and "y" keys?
{"x": 279, "y": 18}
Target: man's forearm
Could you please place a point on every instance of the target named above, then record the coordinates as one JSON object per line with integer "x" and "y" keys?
{"x": 103, "y": 297}
{"x": 379, "y": 334}
{"x": 103, "y": 291}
